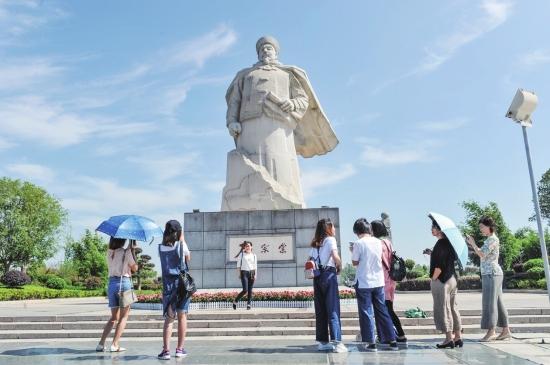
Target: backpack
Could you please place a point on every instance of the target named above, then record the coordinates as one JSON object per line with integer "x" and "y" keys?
{"x": 397, "y": 269}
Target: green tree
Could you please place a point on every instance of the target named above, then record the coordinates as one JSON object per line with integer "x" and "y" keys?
{"x": 145, "y": 267}
{"x": 409, "y": 264}
{"x": 87, "y": 256}
{"x": 529, "y": 242}
{"x": 509, "y": 246}
{"x": 30, "y": 224}
{"x": 347, "y": 276}
{"x": 544, "y": 195}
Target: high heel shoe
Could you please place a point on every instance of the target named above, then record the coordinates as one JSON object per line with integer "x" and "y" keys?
{"x": 446, "y": 345}
{"x": 459, "y": 343}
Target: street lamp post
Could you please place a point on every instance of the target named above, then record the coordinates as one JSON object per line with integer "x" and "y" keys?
{"x": 520, "y": 110}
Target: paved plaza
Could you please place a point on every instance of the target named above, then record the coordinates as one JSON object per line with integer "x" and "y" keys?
{"x": 525, "y": 348}
{"x": 257, "y": 351}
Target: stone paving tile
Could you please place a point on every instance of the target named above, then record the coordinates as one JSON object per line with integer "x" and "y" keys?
{"x": 248, "y": 351}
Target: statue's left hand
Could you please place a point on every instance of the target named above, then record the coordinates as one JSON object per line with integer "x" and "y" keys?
{"x": 287, "y": 106}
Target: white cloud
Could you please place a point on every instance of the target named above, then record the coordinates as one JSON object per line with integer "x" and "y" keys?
{"x": 199, "y": 50}
{"x": 494, "y": 13}
{"x": 103, "y": 197}
{"x": 133, "y": 74}
{"x": 324, "y": 177}
{"x": 375, "y": 156}
{"x": 33, "y": 118}
{"x": 5, "y": 144}
{"x": 17, "y": 74}
{"x": 164, "y": 164}
{"x": 215, "y": 186}
{"x": 31, "y": 172}
{"x": 535, "y": 58}
{"x": 18, "y": 17}
{"x": 444, "y": 125}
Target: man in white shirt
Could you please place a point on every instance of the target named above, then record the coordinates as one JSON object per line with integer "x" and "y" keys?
{"x": 369, "y": 288}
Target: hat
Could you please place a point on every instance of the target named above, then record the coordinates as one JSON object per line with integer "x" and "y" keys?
{"x": 267, "y": 39}
{"x": 172, "y": 226}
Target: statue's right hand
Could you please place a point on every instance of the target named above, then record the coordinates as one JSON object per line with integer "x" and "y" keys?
{"x": 234, "y": 129}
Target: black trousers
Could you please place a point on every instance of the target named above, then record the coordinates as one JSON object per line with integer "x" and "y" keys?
{"x": 395, "y": 319}
{"x": 247, "y": 281}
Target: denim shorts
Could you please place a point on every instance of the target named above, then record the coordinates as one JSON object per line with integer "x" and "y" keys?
{"x": 114, "y": 288}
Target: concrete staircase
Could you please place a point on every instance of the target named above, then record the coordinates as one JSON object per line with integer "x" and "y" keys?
{"x": 257, "y": 322}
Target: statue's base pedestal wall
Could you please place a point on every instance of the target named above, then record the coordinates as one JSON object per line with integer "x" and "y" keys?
{"x": 281, "y": 241}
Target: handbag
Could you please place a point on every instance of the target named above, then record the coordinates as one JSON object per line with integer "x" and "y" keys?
{"x": 187, "y": 286}
{"x": 127, "y": 297}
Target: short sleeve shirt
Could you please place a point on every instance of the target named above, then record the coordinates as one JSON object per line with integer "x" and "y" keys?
{"x": 368, "y": 252}
{"x": 324, "y": 255}
{"x": 115, "y": 262}
{"x": 489, "y": 262}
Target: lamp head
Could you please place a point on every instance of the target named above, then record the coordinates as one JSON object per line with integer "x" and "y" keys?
{"x": 523, "y": 105}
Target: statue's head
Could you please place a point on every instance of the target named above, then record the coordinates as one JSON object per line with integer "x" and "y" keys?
{"x": 267, "y": 48}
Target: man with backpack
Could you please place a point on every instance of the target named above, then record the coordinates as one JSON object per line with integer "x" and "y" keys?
{"x": 369, "y": 288}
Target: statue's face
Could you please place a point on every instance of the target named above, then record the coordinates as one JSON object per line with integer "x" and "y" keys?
{"x": 267, "y": 53}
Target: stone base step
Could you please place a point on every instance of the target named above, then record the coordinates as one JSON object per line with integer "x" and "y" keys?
{"x": 256, "y": 314}
{"x": 239, "y": 331}
{"x": 243, "y": 323}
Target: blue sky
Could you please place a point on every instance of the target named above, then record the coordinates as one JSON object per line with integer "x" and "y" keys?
{"x": 118, "y": 107}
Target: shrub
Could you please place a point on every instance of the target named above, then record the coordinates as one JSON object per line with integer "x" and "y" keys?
{"x": 508, "y": 273}
{"x": 415, "y": 284}
{"x": 414, "y": 274}
{"x": 16, "y": 278}
{"x": 533, "y": 263}
{"x": 541, "y": 283}
{"x": 151, "y": 285}
{"x": 471, "y": 282}
{"x": 409, "y": 264}
{"x": 55, "y": 282}
{"x": 526, "y": 284}
{"x": 518, "y": 267}
{"x": 39, "y": 292}
{"x": 93, "y": 282}
{"x": 471, "y": 270}
{"x": 535, "y": 273}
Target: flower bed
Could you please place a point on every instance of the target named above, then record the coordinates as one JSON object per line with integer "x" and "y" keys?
{"x": 259, "y": 296}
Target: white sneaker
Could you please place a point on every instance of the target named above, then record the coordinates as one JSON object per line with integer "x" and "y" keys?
{"x": 327, "y": 346}
{"x": 100, "y": 348}
{"x": 340, "y": 347}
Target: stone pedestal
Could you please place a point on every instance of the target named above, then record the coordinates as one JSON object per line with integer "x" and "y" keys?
{"x": 281, "y": 240}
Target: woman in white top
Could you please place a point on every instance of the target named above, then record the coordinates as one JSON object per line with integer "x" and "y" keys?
{"x": 121, "y": 263}
{"x": 326, "y": 296}
{"x": 247, "y": 267}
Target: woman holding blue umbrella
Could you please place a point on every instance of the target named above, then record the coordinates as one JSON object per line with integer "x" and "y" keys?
{"x": 121, "y": 263}
{"x": 444, "y": 289}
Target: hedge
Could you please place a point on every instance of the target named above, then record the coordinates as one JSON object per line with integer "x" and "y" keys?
{"x": 532, "y": 263}
{"x": 464, "y": 283}
{"x": 39, "y": 292}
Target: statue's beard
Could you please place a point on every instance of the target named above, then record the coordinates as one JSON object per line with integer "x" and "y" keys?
{"x": 267, "y": 60}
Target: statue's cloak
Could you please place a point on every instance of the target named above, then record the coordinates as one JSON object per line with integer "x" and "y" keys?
{"x": 313, "y": 134}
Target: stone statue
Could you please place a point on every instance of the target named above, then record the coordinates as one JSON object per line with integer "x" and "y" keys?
{"x": 273, "y": 115}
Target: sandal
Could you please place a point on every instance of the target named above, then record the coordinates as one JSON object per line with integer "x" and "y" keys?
{"x": 117, "y": 349}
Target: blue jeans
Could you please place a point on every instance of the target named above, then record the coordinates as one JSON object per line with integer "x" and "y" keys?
{"x": 372, "y": 306}
{"x": 327, "y": 307}
{"x": 114, "y": 287}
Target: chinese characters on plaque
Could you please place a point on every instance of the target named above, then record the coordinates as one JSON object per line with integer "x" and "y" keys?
{"x": 266, "y": 248}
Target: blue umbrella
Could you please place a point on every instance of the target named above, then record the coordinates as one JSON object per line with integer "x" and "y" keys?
{"x": 454, "y": 235}
{"x": 132, "y": 227}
